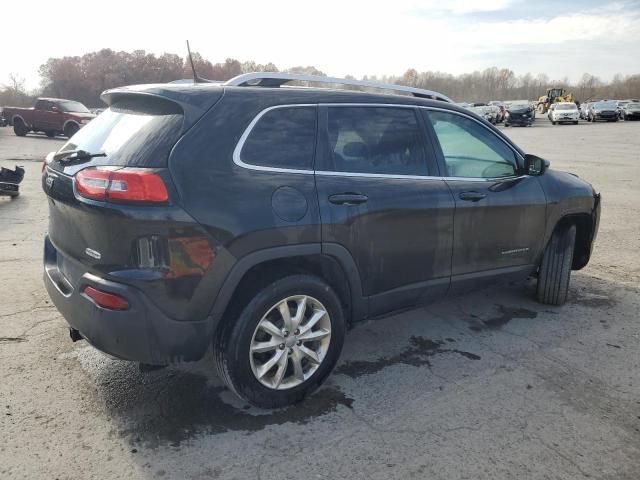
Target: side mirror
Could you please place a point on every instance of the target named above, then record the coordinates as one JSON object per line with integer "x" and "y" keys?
{"x": 55, "y": 109}
{"x": 535, "y": 166}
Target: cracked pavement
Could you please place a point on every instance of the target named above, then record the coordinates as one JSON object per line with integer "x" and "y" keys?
{"x": 490, "y": 385}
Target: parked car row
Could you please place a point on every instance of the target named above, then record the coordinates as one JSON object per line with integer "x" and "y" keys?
{"x": 518, "y": 112}
{"x": 610, "y": 110}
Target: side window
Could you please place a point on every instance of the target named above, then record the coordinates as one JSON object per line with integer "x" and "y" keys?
{"x": 41, "y": 105}
{"x": 282, "y": 138}
{"x": 470, "y": 150}
{"x": 382, "y": 140}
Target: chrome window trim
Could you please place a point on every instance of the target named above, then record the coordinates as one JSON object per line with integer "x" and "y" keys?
{"x": 236, "y": 152}
{"x": 239, "y": 162}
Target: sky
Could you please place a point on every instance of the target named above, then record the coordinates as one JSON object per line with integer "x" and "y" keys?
{"x": 561, "y": 38}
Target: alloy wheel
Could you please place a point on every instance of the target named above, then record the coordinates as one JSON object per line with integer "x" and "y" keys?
{"x": 290, "y": 342}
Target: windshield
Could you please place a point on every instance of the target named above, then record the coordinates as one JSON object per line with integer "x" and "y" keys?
{"x": 69, "y": 106}
{"x": 518, "y": 105}
{"x": 566, "y": 106}
{"x": 632, "y": 106}
{"x": 136, "y": 132}
{"x": 605, "y": 105}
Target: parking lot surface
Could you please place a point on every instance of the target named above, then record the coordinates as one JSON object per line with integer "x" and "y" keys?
{"x": 490, "y": 385}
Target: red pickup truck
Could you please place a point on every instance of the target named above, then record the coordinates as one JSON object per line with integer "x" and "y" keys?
{"x": 53, "y": 116}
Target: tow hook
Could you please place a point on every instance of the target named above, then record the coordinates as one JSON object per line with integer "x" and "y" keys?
{"x": 75, "y": 335}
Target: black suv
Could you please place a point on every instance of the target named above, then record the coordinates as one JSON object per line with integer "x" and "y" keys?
{"x": 262, "y": 220}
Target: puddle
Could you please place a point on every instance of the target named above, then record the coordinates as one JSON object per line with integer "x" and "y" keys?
{"x": 173, "y": 405}
{"x": 506, "y": 314}
{"x": 417, "y": 354}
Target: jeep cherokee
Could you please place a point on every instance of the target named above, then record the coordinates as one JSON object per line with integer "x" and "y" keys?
{"x": 260, "y": 220}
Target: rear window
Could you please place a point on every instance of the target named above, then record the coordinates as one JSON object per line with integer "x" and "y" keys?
{"x": 136, "y": 132}
{"x": 282, "y": 138}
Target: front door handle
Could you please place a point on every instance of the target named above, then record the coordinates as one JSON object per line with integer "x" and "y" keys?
{"x": 348, "y": 198}
{"x": 472, "y": 196}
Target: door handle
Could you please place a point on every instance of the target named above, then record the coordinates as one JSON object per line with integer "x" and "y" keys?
{"x": 348, "y": 198}
{"x": 472, "y": 196}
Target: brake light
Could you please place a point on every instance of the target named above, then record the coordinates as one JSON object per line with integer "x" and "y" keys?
{"x": 123, "y": 185}
{"x": 103, "y": 299}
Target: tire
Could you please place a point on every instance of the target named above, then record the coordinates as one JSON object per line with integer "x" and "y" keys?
{"x": 555, "y": 270}
{"x": 232, "y": 346}
{"x": 575, "y": 122}
{"x": 553, "y": 123}
{"x": 70, "y": 130}
{"x": 506, "y": 124}
{"x": 19, "y": 128}
{"x": 50, "y": 134}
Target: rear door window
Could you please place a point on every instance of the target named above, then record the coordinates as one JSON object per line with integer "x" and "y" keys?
{"x": 282, "y": 138}
{"x": 375, "y": 140}
{"x": 137, "y": 132}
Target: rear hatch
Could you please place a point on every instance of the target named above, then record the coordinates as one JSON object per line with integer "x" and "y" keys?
{"x": 119, "y": 235}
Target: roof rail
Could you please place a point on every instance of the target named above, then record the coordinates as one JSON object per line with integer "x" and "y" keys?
{"x": 275, "y": 79}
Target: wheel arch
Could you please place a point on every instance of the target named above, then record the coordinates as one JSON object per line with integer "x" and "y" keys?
{"x": 584, "y": 236}
{"x": 334, "y": 265}
{"x": 17, "y": 116}
{"x": 69, "y": 122}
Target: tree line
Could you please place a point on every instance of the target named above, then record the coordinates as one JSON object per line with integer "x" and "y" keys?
{"x": 85, "y": 77}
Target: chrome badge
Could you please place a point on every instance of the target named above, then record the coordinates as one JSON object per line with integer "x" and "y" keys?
{"x": 92, "y": 253}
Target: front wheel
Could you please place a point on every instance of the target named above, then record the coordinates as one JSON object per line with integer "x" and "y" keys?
{"x": 283, "y": 344}
{"x": 70, "y": 130}
{"x": 555, "y": 270}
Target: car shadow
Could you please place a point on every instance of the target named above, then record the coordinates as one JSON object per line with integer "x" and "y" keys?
{"x": 450, "y": 338}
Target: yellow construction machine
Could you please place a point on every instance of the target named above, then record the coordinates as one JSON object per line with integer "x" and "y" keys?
{"x": 554, "y": 95}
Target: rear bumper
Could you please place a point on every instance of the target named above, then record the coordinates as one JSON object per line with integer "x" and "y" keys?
{"x": 141, "y": 333}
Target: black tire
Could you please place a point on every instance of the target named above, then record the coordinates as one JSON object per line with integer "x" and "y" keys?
{"x": 19, "y": 128}
{"x": 506, "y": 124}
{"x": 553, "y": 123}
{"x": 70, "y": 130}
{"x": 555, "y": 270}
{"x": 575, "y": 122}
{"x": 50, "y": 134}
{"x": 233, "y": 341}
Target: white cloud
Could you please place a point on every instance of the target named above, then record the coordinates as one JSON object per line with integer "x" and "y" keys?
{"x": 339, "y": 37}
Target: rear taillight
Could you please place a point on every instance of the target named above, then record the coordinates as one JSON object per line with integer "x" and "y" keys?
{"x": 112, "y": 301}
{"x": 124, "y": 185}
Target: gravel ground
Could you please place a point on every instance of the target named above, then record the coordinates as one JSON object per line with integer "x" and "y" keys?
{"x": 491, "y": 385}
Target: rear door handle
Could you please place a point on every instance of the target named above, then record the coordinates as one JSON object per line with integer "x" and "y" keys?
{"x": 348, "y": 198}
{"x": 472, "y": 196}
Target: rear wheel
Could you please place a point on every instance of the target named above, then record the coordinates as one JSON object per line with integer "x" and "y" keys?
{"x": 283, "y": 344}
{"x": 50, "y": 134}
{"x": 70, "y": 130}
{"x": 19, "y": 128}
{"x": 555, "y": 270}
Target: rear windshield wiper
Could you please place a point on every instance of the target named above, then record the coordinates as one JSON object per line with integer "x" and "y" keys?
{"x": 73, "y": 155}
